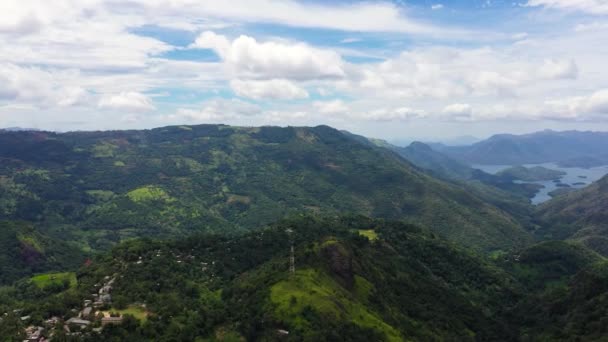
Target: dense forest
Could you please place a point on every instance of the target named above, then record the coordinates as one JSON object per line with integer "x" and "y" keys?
{"x": 188, "y": 234}
{"x": 355, "y": 279}
{"x": 98, "y": 188}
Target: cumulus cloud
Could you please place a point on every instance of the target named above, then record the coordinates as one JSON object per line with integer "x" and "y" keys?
{"x": 39, "y": 87}
{"x": 268, "y": 60}
{"x": 277, "y": 89}
{"x": 590, "y": 106}
{"x": 445, "y": 72}
{"x": 599, "y": 7}
{"x": 132, "y": 101}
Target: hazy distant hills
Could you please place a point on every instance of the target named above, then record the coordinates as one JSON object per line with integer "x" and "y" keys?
{"x": 422, "y": 155}
{"x": 102, "y": 187}
{"x": 569, "y": 148}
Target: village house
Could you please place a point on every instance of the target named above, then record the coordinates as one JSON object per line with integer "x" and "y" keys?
{"x": 86, "y": 312}
{"x": 78, "y": 322}
{"x": 34, "y": 334}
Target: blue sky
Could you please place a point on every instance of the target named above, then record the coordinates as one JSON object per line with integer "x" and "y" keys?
{"x": 399, "y": 70}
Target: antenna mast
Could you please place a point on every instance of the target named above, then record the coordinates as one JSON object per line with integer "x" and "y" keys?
{"x": 292, "y": 257}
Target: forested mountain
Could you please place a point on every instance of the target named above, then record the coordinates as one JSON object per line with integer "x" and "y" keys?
{"x": 579, "y": 215}
{"x": 98, "y": 188}
{"x": 569, "y": 148}
{"x": 425, "y": 157}
{"x": 488, "y": 186}
{"x": 355, "y": 279}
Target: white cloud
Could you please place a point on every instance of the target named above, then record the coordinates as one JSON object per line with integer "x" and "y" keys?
{"x": 73, "y": 96}
{"x": 359, "y": 16}
{"x": 41, "y": 88}
{"x": 218, "y": 110}
{"x": 594, "y": 26}
{"x": 591, "y": 106}
{"x": 599, "y": 7}
{"x": 132, "y": 101}
{"x": 393, "y": 114}
{"x": 276, "y": 89}
{"x": 27, "y": 24}
{"x": 277, "y": 116}
{"x": 331, "y": 107}
{"x": 458, "y": 111}
{"x": 445, "y": 72}
{"x": 210, "y": 40}
{"x": 249, "y": 58}
{"x": 437, "y": 7}
{"x": 554, "y": 69}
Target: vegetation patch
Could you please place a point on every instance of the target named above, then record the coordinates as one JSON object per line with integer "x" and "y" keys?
{"x": 138, "y": 312}
{"x": 49, "y": 279}
{"x": 104, "y": 150}
{"x": 369, "y": 233}
{"x": 310, "y": 289}
{"x": 30, "y": 241}
{"x": 148, "y": 193}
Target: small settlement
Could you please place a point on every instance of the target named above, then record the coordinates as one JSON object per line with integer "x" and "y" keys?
{"x": 91, "y": 315}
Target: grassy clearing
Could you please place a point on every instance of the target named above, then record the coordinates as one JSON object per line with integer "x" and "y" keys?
{"x": 148, "y": 193}
{"x": 369, "y": 233}
{"x": 309, "y": 288}
{"x": 44, "y": 280}
{"x": 136, "y": 311}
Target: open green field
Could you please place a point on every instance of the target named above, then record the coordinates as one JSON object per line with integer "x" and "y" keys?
{"x": 369, "y": 233}
{"x": 44, "y": 280}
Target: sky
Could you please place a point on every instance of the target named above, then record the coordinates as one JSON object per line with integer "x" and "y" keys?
{"x": 398, "y": 70}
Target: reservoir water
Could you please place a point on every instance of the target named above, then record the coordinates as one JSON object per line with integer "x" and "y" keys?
{"x": 573, "y": 176}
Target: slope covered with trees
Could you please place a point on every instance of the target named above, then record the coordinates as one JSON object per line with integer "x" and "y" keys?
{"x": 355, "y": 279}
{"x": 579, "y": 215}
{"x": 24, "y": 251}
{"x": 102, "y": 187}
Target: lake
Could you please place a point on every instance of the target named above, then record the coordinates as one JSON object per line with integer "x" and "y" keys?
{"x": 573, "y": 175}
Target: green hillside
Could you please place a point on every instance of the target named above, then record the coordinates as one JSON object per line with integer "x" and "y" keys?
{"x": 23, "y": 251}
{"x": 99, "y": 188}
{"x": 531, "y": 174}
{"x": 402, "y": 286}
{"x": 579, "y": 215}
{"x": 401, "y": 283}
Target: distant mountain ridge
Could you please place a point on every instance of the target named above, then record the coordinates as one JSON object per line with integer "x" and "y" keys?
{"x": 567, "y": 147}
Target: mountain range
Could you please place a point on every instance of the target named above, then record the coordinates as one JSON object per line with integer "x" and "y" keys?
{"x": 221, "y": 233}
{"x": 99, "y": 188}
{"x": 567, "y": 148}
